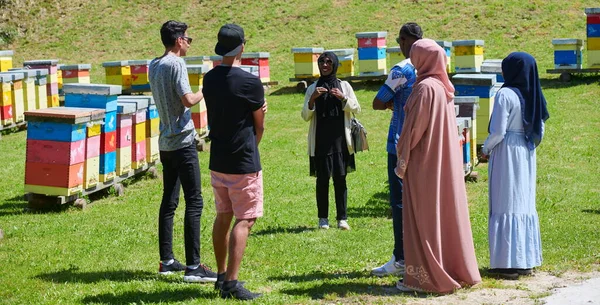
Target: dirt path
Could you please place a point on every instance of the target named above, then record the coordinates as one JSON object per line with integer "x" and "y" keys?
{"x": 528, "y": 290}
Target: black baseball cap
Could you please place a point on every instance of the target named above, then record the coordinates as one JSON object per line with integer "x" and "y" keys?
{"x": 230, "y": 40}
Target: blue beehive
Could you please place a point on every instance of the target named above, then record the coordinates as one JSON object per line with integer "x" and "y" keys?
{"x": 482, "y": 86}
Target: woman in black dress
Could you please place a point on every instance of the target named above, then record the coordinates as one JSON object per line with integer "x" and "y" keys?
{"x": 328, "y": 105}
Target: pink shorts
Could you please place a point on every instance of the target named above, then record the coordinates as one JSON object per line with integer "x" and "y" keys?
{"x": 241, "y": 194}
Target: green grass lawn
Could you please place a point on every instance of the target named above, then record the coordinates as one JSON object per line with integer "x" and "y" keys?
{"x": 108, "y": 253}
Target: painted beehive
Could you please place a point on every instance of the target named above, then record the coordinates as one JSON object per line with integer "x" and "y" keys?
{"x": 250, "y": 69}
{"x": 29, "y": 88}
{"x": 346, "y": 61}
{"x": 371, "y": 53}
{"x": 196, "y": 75}
{"x": 305, "y": 62}
{"x": 138, "y": 129}
{"x": 118, "y": 73}
{"x": 261, "y": 60}
{"x": 395, "y": 55}
{"x": 139, "y": 75}
{"x": 493, "y": 66}
{"x": 593, "y": 37}
{"x": 198, "y": 60}
{"x": 60, "y": 79}
{"x": 152, "y": 133}
{"x": 40, "y": 82}
{"x": 468, "y": 55}
{"x": 216, "y": 60}
{"x": 468, "y": 106}
{"x": 103, "y": 97}
{"x": 57, "y": 147}
{"x": 447, "y": 46}
{"x": 567, "y": 53}
{"x": 51, "y": 79}
{"x": 6, "y": 61}
{"x": 6, "y": 109}
{"x": 125, "y": 114}
{"x": 17, "y": 103}
{"x": 483, "y": 86}
{"x": 79, "y": 74}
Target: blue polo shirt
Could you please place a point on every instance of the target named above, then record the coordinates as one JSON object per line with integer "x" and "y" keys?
{"x": 398, "y": 87}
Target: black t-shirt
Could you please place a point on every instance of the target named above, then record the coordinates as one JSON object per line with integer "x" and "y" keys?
{"x": 231, "y": 95}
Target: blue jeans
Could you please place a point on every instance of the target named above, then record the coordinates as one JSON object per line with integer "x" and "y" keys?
{"x": 396, "y": 203}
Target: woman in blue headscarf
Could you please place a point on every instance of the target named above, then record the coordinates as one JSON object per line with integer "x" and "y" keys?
{"x": 516, "y": 129}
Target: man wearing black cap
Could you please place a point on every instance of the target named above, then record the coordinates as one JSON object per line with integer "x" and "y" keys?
{"x": 171, "y": 91}
{"x": 235, "y": 105}
{"x": 393, "y": 95}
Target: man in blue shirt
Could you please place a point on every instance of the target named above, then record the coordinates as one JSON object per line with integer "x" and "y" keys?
{"x": 393, "y": 95}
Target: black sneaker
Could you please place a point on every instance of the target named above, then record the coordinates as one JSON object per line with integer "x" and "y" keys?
{"x": 176, "y": 266}
{"x": 219, "y": 284}
{"x": 202, "y": 274}
{"x": 504, "y": 273}
{"x": 240, "y": 293}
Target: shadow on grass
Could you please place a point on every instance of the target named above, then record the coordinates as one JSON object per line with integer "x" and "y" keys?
{"x": 283, "y": 230}
{"x": 377, "y": 206}
{"x": 286, "y": 91}
{"x": 592, "y": 211}
{"x": 318, "y": 276}
{"x": 73, "y": 275}
{"x": 186, "y": 295}
{"x": 342, "y": 290}
{"x": 13, "y": 206}
{"x": 577, "y": 79}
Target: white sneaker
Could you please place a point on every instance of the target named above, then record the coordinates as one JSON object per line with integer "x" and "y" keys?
{"x": 400, "y": 286}
{"x": 323, "y": 223}
{"x": 343, "y": 225}
{"x": 392, "y": 267}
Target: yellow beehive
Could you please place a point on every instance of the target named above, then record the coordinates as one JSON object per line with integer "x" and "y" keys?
{"x": 118, "y": 73}
{"x": 6, "y": 60}
{"x": 196, "y": 75}
{"x": 346, "y": 61}
{"x": 152, "y": 151}
{"x": 395, "y": 55}
{"x": 17, "y": 100}
{"x": 468, "y": 55}
{"x": 123, "y": 160}
{"x": 91, "y": 172}
{"x": 305, "y": 62}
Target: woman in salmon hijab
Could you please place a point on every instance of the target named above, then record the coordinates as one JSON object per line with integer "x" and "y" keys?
{"x": 438, "y": 242}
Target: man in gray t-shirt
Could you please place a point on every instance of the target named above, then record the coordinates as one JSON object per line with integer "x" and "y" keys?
{"x": 173, "y": 96}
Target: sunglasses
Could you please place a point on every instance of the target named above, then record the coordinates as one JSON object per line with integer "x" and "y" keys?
{"x": 398, "y": 39}
{"x": 188, "y": 39}
{"x": 327, "y": 61}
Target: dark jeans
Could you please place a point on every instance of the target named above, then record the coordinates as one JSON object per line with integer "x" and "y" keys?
{"x": 396, "y": 204}
{"x": 341, "y": 196}
{"x": 180, "y": 168}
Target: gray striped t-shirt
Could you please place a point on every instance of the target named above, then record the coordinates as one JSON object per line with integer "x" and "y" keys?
{"x": 169, "y": 82}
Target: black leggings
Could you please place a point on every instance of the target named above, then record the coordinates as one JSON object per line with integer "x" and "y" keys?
{"x": 341, "y": 196}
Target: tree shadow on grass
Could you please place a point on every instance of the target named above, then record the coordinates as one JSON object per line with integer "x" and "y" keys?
{"x": 592, "y": 211}
{"x": 73, "y": 275}
{"x": 14, "y": 206}
{"x": 377, "y": 206}
{"x": 188, "y": 294}
{"x": 283, "y": 230}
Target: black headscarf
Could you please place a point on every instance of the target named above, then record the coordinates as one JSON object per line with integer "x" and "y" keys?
{"x": 327, "y": 105}
{"x": 521, "y": 75}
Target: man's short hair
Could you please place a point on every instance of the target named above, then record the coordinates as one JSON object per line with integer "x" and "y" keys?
{"x": 170, "y": 31}
{"x": 411, "y": 29}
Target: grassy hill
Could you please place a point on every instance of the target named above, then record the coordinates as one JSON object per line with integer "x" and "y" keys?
{"x": 108, "y": 252}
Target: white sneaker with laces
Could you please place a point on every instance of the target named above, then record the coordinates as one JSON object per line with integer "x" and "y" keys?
{"x": 343, "y": 225}
{"x": 323, "y": 223}
{"x": 392, "y": 267}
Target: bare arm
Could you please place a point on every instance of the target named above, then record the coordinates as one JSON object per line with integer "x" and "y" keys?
{"x": 381, "y": 105}
{"x": 259, "y": 123}
{"x": 191, "y": 99}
